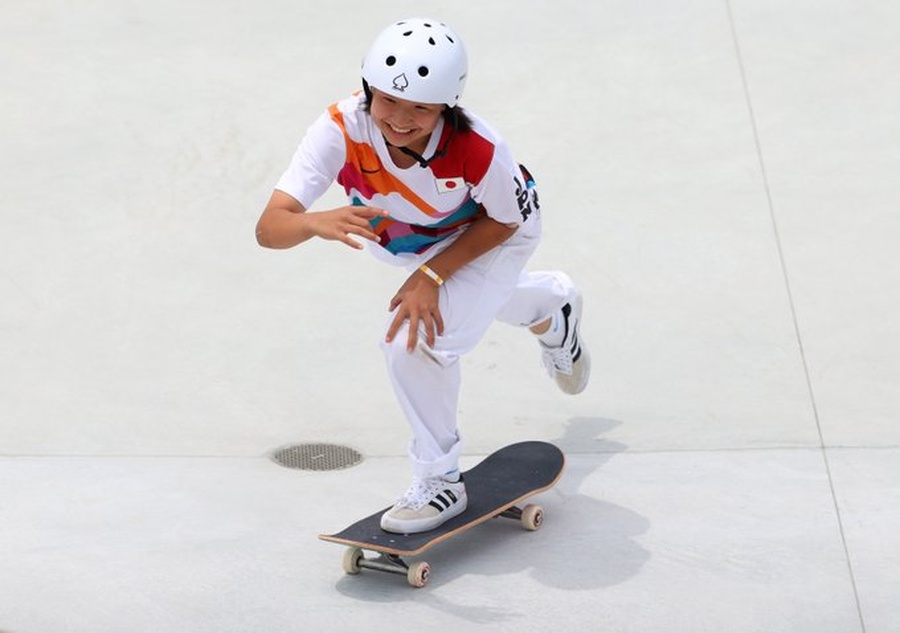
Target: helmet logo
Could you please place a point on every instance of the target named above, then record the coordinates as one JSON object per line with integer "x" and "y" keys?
{"x": 401, "y": 83}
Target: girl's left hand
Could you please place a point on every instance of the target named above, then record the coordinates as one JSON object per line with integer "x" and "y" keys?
{"x": 417, "y": 302}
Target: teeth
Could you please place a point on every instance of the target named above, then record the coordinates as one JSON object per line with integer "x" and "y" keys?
{"x": 400, "y": 130}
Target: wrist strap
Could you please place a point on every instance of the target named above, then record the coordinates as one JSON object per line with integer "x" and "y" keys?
{"x": 436, "y": 278}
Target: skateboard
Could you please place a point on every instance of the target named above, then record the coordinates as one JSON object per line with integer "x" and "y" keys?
{"x": 495, "y": 488}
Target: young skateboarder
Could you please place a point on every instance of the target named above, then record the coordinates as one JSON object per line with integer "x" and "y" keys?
{"x": 434, "y": 188}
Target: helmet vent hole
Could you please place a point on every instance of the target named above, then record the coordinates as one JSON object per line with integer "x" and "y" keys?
{"x": 431, "y": 41}
{"x": 450, "y": 39}
{"x": 423, "y": 71}
{"x": 426, "y": 25}
{"x": 407, "y": 33}
{"x": 391, "y": 60}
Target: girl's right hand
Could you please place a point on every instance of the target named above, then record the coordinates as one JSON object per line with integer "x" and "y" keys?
{"x": 284, "y": 223}
{"x": 339, "y": 224}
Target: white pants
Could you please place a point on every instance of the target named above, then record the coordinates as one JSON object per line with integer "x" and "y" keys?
{"x": 427, "y": 380}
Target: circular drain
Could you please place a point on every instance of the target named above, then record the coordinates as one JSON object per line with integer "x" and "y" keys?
{"x": 317, "y": 457}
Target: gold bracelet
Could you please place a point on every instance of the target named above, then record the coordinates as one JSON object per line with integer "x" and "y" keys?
{"x": 436, "y": 278}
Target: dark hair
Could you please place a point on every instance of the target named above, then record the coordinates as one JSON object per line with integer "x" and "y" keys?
{"x": 454, "y": 116}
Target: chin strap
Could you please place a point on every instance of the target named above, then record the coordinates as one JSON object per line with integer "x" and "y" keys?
{"x": 424, "y": 162}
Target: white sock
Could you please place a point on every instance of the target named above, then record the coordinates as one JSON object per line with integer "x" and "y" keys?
{"x": 554, "y": 335}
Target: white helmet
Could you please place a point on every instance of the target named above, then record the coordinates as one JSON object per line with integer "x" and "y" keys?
{"x": 418, "y": 60}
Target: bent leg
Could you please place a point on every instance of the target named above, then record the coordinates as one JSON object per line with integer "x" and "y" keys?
{"x": 537, "y": 296}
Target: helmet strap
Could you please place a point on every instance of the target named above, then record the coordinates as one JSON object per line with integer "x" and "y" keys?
{"x": 424, "y": 162}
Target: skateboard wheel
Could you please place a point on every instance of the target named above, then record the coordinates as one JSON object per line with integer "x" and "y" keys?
{"x": 532, "y": 517}
{"x": 418, "y": 574}
{"x": 351, "y": 560}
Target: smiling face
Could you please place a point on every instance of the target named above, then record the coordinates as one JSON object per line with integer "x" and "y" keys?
{"x": 405, "y": 123}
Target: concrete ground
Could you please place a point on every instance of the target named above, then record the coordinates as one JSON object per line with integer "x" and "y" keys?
{"x": 721, "y": 178}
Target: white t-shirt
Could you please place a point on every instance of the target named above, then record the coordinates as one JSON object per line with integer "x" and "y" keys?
{"x": 427, "y": 206}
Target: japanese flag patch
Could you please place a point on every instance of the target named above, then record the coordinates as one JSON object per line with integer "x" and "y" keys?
{"x": 449, "y": 185}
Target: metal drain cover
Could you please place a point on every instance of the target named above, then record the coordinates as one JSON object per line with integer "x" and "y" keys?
{"x": 317, "y": 457}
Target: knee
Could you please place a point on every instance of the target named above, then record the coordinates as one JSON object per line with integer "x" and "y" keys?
{"x": 395, "y": 349}
{"x": 397, "y": 356}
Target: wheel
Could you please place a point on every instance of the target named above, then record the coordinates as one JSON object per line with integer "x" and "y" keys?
{"x": 351, "y": 560}
{"x": 532, "y": 517}
{"x": 418, "y": 574}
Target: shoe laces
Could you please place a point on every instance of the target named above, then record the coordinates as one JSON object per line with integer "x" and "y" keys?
{"x": 421, "y": 492}
{"x": 557, "y": 360}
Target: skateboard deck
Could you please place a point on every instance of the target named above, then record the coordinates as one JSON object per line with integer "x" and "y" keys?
{"x": 494, "y": 488}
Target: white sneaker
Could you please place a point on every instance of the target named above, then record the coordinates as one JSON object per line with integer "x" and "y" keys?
{"x": 426, "y": 505}
{"x": 570, "y": 363}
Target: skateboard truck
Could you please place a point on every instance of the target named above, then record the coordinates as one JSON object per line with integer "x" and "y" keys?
{"x": 531, "y": 516}
{"x": 416, "y": 574}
